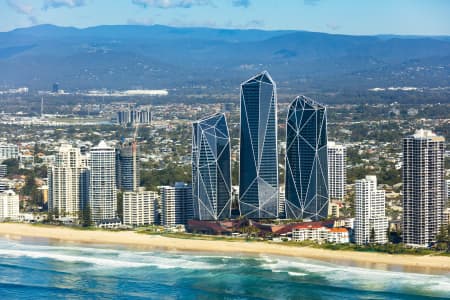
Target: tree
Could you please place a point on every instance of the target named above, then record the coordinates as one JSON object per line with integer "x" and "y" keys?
{"x": 120, "y": 205}
{"x": 443, "y": 238}
{"x": 86, "y": 219}
{"x": 372, "y": 236}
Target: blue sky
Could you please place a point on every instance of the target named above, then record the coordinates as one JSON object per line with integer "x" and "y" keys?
{"x": 423, "y": 17}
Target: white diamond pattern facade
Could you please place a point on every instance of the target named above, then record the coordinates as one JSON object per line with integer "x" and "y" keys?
{"x": 306, "y": 160}
{"x": 211, "y": 168}
{"x": 258, "y": 169}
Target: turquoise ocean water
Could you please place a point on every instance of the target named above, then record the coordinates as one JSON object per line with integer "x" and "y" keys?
{"x": 42, "y": 269}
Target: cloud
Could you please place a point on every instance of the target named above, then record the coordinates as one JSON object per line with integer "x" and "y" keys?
{"x": 311, "y": 2}
{"x": 64, "y": 3}
{"x": 242, "y": 3}
{"x": 20, "y": 8}
{"x": 171, "y": 3}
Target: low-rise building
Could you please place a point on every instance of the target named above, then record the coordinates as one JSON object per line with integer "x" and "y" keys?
{"x": 319, "y": 234}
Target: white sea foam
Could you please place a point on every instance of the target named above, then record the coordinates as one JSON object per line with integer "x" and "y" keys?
{"x": 370, "y": 279}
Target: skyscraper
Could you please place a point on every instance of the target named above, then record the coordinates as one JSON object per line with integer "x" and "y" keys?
{"x": 337, "y": 173}
{"x": 102, "y": 183}
{"x": 371, "y": 223}
{"x": 128, "y": 167}
{"x": 67, "y": 182}
{"x": 423, "y": 187}
{"x": 176, "y": 204}
{"x": 258, "y": 169}
{"x": 306, "y": 160}
{"x": 211, "y": 168}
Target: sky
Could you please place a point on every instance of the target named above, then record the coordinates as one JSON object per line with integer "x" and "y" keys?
{"x": 359, "y": 17}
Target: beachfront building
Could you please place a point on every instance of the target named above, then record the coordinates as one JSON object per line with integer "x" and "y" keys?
{"x": 128, "y": 166}
{"x": 424, "y": 195}
{"x": 258, "y": 169}
{"x": 320, "y": 234}
{"x": 177, "y": 204}
{"x": 371, "y": 223}
{"x": 67, "y": 180}
{"x": 306, "y": 160}
{"x": 102, "y": 183}
{"x": 211, "y": 168}
{"x": 9, "y": 205}
{"x": 139, "y": 207}
{"x": 337, "y": 173}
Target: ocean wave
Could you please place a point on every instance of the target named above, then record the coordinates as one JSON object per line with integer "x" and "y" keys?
{"x": 368, "y": 279}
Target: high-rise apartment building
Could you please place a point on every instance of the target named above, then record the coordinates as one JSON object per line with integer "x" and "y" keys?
{"x": 67, "y": 181}
{"x": 337, "y": 172}
{"x": 139, "y": 207}
{"x": 211, "y": 168}
{"x": 176, "y": 204}
{"x": 258, "y": 169}
{"x": 306, "y": 160}
{"x": 128, "y": 166}
{"x": 102, "y": 183}
{"x": 371, "y": 223}
{"x": 134, "y": 116}
{"x": 9, "y": 205}
{"x": 424, "y": 195}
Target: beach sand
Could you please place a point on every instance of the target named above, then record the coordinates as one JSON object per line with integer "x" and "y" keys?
{"x": 411, "y": 263}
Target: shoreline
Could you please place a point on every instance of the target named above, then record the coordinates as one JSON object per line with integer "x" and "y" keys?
{"x": 427, "y": 264}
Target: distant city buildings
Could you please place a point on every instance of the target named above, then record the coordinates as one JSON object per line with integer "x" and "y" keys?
{"x": 211, "y": 168}
{"x": 337, "y": 171}
{"x": 68, "y": 182}
{"x": 9, "y": 205}
{"x": 306, "y": 160}
{"x": 258, "y": 169}
{"x": 8, "y": 151}
{"x": 424, "y": 195}
{"x": 371, "y": 223}
{"x": 140, "y": 207}
{"x": 102, "y": 183}
{"x": 177, "y": 204}
{"x": 134, "y": 116}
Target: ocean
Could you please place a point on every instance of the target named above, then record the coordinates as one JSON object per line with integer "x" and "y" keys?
{"x": 43, "y": 269}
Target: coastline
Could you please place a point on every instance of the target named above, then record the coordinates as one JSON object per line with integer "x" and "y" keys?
{"x": 408, "y": 263}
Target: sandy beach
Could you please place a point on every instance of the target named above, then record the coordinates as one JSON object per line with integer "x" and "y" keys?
{"x": 413, "y": 263}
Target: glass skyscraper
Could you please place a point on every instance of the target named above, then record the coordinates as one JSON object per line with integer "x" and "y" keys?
{"x": 306, "y": 160}
{"x": 258, "y": 169}
{"x": 211, "y": 168}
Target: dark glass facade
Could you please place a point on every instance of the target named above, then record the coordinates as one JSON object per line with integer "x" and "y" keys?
{"x": 211, "y": 169}
{"x": 258, "y": 169}
{"x": 306, "y": 160}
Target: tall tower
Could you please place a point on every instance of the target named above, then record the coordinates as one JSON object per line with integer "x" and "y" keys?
{"x": 128, "y": 167}
{"x": 371, "y": 223}
{"x": 102, "y": 183}
{"x": 306, "y": 160}
{"x": 67, "y": 186}
{"x": 337, "y": 172}
{"x": 258, "y": 169}
{"x": 423, "y": 187}
{"x": 211, "y": 168}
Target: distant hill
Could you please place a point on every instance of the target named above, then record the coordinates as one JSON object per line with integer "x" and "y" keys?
{"x": 125, "y": 57}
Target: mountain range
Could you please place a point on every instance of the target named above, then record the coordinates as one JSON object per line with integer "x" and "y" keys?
{"x": 216, "y": 60}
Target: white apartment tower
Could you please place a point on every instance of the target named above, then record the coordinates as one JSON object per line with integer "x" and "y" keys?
{"x": 371, "y": 223}
{"x": 139, "y": 207}
{"x": 9, "y": 205}
{"x": 424, "y": 195}
{"x": 102, "y": 183}
{"x": 67, "y": 182}
{"x": 337, "y": 172}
